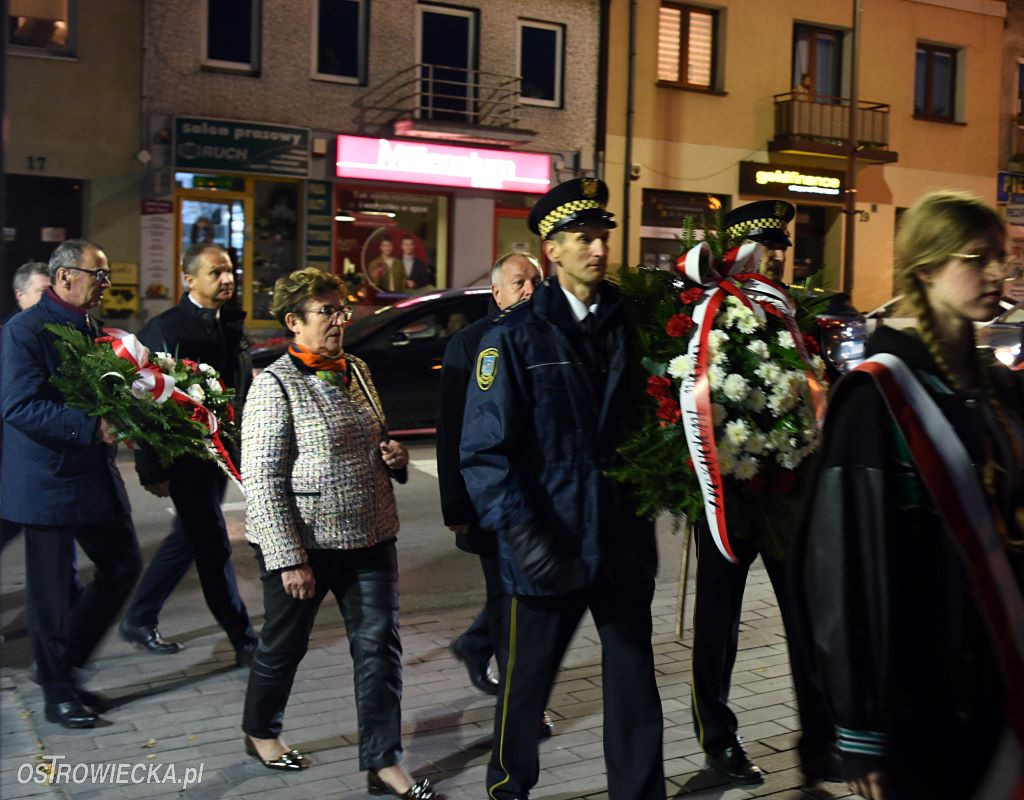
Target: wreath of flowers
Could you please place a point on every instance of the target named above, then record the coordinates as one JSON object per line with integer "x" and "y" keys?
{"x": 762, "y": 405}
{"x": 176, "y": 407}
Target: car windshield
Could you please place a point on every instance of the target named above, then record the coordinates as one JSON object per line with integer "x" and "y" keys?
{"x": 368, "y": 325}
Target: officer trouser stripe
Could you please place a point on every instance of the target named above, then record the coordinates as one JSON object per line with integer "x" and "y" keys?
{"x": 693, "y": 646}
{"x": 509, "y": 669}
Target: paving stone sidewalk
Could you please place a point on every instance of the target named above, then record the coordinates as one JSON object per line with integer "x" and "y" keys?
{"x": 184, "y": 710}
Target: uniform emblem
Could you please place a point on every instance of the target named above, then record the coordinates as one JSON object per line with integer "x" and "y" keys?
{"x": 589, "y": 187}
{"x": 486, "y": 368}
{"x": 780, "y": 209}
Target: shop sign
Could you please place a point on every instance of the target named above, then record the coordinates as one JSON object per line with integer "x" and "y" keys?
{"x": 319, "y": 225}
{"x": 667, "y": 209}
{"x": 230, "y": 146}
{"x": 443, "y": 165}
{"x": 794, "y": 184}
{"x": 1015, "y": 214}
{"x": 156, "y": 246}
{"x": 1010, "y": 188}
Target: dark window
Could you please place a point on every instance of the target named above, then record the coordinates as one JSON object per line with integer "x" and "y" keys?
{"x": 935, "y": 82}
{"x": 40, "y": 26}
{"x": 448, "y": 63}
{"x": 687, "y": 46}
{"x": 232, "y": 33}
{"x": 341, "y": 39}
{"x": 1020, "y": 90}
{"x": 541, "y": 49}
{"x": 818, "y": 53}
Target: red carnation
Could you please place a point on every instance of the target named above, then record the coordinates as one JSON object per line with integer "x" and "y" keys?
{"x": 812, "y": 344}
{"x": 678, "y": 325}
{"x": 658, "y": 387}
{"x": 668, "y": 410}
{"x": 691, "y": 296}
{"x": 188, "y": 362}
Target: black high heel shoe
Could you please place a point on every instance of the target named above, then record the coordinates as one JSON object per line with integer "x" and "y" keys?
{"x": 290, "y": 759}
{"x": 421, "y": 790}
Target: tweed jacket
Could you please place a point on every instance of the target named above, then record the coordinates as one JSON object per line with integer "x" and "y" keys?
{"x": 311, "y": 465}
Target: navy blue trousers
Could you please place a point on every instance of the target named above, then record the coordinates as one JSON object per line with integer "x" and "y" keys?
{"x": 198, "y": 534}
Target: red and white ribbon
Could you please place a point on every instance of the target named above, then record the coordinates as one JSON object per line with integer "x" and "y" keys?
{"x": 760, "y": 296}
{"x": 161, "y": 387}
{"x": 945, "y": 468}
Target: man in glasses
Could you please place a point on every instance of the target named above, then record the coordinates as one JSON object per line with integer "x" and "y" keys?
{"x": 206, "y": 330}
{"x": 58, "y": 479}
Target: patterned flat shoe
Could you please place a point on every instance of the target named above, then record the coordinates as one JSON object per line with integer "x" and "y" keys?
{"x": 421, "y": 790}
{"x": 290, "y": 759}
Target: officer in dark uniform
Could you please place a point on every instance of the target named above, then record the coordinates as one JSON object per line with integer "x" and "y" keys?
{"x": 542, "y": 424}
{"x": 720, "y": 585}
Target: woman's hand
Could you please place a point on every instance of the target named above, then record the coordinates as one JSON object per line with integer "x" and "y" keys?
{"x": 870, "y": 787}
{"x": 394, "y": 454}
{"x": 298, "y": 582}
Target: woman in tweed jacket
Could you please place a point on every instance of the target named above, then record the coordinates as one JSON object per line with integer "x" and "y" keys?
{"x": 320, "y": 512}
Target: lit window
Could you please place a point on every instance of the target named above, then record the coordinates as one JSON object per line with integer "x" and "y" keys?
{"x": 541, "y": 54}
{"x": 687, "y": 46}
{"x": 232, "y": 38}
{"x": 935, "y": 82}
{"x": 40, "y": 26}
{"x": 340, "y": 40}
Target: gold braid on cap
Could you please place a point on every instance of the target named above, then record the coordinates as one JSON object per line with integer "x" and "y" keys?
{"x": 552, "y": 218}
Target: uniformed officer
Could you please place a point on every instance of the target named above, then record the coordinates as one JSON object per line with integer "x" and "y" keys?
{"x": 542, "y": 424}
{"x": 720, "y": 585}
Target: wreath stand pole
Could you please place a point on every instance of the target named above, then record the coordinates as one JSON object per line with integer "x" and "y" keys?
{"x": 684, "y": 579}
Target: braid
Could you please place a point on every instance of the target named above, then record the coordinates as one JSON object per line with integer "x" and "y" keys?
{"x": 916, "y": 305}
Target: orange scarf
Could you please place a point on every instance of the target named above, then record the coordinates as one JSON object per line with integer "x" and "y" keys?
{"x": 317, "y": 362}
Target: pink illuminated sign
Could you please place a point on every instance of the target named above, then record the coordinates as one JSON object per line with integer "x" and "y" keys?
{"x": 442, "y": 165}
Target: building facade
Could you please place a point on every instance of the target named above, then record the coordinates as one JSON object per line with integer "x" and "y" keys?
{"x": 738, "y": 101}
{"x": 73, "y": 81}
{"x": 347, "y": 134}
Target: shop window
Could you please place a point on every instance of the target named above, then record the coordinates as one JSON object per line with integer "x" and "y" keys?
{"x": 935, "y": 82}
{"x": 232, "y": 35}
{"x": 340, "y": 30}
{"x": 817, "y": 64}
{"x": 41, "y": 27}
{"x": 688, "y": 46}
{"x": 541, "y": 56}
{"x": 391, "y": 242}
{"x": 275, "y": 240}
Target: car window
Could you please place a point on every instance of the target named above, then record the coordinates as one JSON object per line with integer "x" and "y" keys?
{"x": 444, "y": 322}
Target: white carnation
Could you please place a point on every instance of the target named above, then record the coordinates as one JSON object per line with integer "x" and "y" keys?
{"x": 737, "y": 431}
{"x": 735, "y": 387}
{"x": 717, "y": 338}
{"x": 818, "y": 366}
{"x": 207, "y": 370}
{"x": 755, "y": 443}
{"x": 747, "y": 324}
{"x": 195, "y": 391}
{"x": 758, "y": 348}
{"x": 756, "y": 400}
{"x": 716, "y": 375}
{"x": 726, "y": 458}
{"x": 680, "y": 366}
{"x": 164, "y": 360}
{"x": 214, "y": 385}
{"x": 746, "y": 468}
{"x": 785, "y": 339}
{"x": 768, "y": 372}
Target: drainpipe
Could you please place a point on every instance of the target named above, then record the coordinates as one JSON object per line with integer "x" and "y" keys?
{"x": 627, "y": 166}
{"x": 851, "y": 158}
{"x": 601, "y": 121}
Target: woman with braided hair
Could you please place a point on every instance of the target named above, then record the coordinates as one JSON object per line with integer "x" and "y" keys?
{"x": 908, "y": 565}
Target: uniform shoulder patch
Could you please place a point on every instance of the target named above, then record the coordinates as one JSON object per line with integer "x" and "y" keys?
{"x": 486, "y": 368}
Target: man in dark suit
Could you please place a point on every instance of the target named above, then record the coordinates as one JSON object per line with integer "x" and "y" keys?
{"x": 204, "y": 328}
{"x": 513, "y": 279}
{"x": 416, "y": 272}
{"x": 58, "y": 479}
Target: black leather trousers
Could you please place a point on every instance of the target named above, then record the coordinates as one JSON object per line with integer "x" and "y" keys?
{"x": 365, "y": 584}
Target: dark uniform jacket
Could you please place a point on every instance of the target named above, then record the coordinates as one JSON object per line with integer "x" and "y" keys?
{"x": 188, "y": 331}
{"x": 456, "y": 373}
{"x": 537, "y": 441}
{"x": 54, "y": 469}
{"x": 883, "y": 598}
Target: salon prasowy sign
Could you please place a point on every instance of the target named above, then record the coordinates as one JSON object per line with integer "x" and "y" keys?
{"x": 795, "y": 184}
{"x": 232, "y": 146}
{"x": 443, "y": 165}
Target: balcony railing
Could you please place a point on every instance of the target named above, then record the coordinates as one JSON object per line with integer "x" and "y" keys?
{"x": 449, "y": 97}
{"x": 825, "y": 120}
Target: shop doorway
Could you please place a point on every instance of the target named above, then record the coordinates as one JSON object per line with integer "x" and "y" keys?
{"x": 811, "y": 250}
{"x": 41, "y": 213}
{"x": 511, "y": 232}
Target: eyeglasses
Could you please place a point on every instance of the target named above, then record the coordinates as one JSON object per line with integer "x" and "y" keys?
{"x": 343, "y": 314}
{"x": 985, "y": 260}
{"x": 100, "y": 275}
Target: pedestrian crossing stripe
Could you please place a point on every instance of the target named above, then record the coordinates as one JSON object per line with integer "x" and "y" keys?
{"x": 486, "y": 368}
